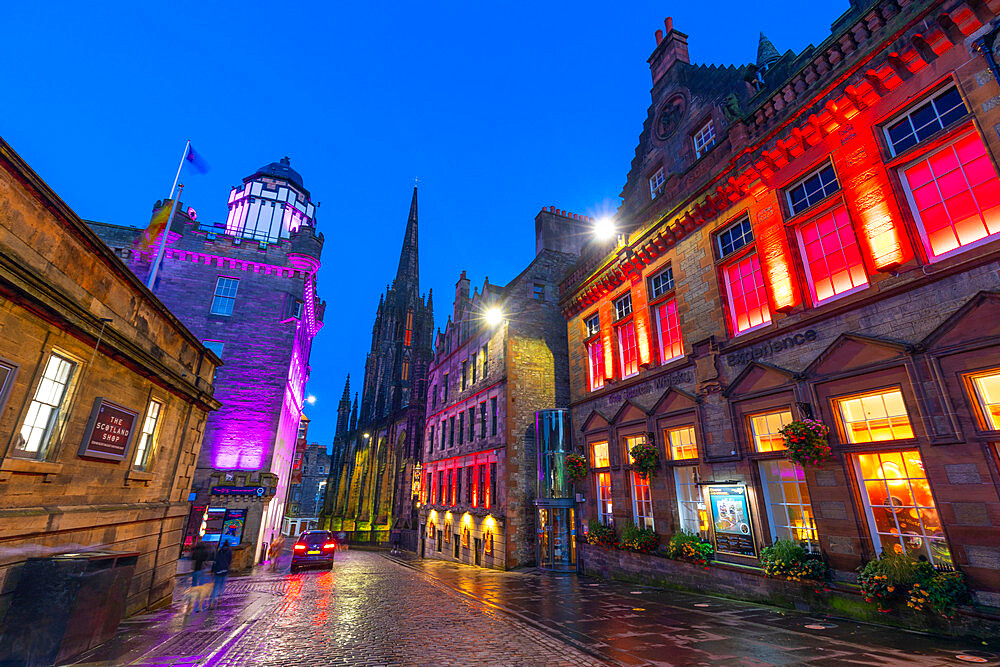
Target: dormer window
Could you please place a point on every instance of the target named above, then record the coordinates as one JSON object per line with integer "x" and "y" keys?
{"x": 656, "y": 182}
{"x": 704, "y": 139}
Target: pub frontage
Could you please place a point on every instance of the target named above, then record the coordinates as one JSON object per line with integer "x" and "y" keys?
{"x": 812, "y": 237}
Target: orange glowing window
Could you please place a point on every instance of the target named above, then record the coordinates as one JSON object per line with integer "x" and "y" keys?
{"x": 901, "y": 511}
{"x": 599, "y": 455}
{"x": 955, "y": 196}
{"x": 832, "y": 255}
{"x": 764, "y": 429}
{"x": 668, "y": 331}
{"x": 875, "y": 417}
{"x": 595, "y": 364}
{"x": 408, "y": 335}
{"x": 604, "y": 498}
{"x": 630, "y": 442}
{"x": 682, "y": 442}
{"x": 628, "y": 349}
{"x": 405, "y": 372}
{"x": 746, "y": 294}
{"x": 988, "y": 394}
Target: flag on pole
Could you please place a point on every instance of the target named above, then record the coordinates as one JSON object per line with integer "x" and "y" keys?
{"x": 197, "y": 161}
{"x": 157, "y": 224}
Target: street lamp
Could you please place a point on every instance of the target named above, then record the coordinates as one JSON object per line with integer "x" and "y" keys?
{"x": 604, "y": 228}
{"x": 366, "y": 436}
{"x": 311, "y": 400}
{"x": 493, "y": 315}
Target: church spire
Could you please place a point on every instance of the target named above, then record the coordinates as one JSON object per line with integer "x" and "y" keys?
{"x": 767, "y": 55}
{"x": 344, "y": 410}
{"x": 408, "y": 273}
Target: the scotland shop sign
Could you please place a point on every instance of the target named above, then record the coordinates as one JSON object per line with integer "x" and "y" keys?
{"x": 109, "y": 432}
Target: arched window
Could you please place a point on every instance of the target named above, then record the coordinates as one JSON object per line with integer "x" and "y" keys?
{"x": 408, "y": 334}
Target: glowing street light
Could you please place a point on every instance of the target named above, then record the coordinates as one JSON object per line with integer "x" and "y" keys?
{"x": 367, "y": 435}
{"x": 310, "y": 399}
{"x": 604, "y": 228}
{"x": 493, "y": 315}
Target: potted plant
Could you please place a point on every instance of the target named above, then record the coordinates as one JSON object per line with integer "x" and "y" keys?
{"x": 601, "y": 535}
{"x": 576, "y": 467}
{"x": 897, "y": 577}
{"x": 788, "y": 560}
{"x": 638, "y": 539}
{"x": 805, "y": 442}
{"x": 690, "y": 547}
{"x": 644, "y": 459}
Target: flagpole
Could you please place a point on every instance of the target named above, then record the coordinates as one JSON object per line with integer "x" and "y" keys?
{"x": 166, "y": 229}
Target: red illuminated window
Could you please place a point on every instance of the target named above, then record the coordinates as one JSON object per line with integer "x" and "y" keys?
{"x": 628, "y": 350}
{"x": 454, "y": 486}
{"x": 747, "y": 298}
{"x": 831, "y": 255}
{"x": 955, "y": 196}
{"x": 595, "y": 364}
{"x": 408, "y": 335}
{"x": 668, "y": 331}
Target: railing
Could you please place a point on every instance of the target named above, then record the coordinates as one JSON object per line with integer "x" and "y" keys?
{"x": 406, "y": 539}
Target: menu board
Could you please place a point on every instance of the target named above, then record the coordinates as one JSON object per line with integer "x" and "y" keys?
{"x": 109, "y": 431}
{"x": 731, "y": 520}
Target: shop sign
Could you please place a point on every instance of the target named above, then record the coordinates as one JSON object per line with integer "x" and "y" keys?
{"x": 765, "y": 350}
{"x": 731, "y": 520}
{"x": 109, "y": 431}
{"x": 662, "y": 382}
{"x": 259, "y": 491}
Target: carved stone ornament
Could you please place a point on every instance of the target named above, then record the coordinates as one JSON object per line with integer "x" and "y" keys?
{"x": 670, "y": 116}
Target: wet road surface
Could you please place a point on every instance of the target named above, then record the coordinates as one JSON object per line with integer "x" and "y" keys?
{"x": 371, "y": 609}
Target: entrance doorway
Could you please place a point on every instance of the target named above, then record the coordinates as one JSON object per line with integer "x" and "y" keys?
{"x": 556, "y": 539}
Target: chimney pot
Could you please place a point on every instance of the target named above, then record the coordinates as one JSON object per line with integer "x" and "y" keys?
{"x": 668, "y": 23}
{"x": 659, "y": 37}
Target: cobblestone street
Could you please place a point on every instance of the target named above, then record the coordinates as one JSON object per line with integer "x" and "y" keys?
{"x": 372, "y": 609}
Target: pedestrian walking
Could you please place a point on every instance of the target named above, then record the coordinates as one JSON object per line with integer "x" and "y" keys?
{"x": 277, "y": 546}
{"x": 199, "y": 554}
{"x": 220, "y": 568}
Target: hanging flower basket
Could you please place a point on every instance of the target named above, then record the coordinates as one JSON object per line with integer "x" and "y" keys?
{"x": 576, "y": 467}
{"x": 805, "y": 441}
{"x": 644, "y": 459}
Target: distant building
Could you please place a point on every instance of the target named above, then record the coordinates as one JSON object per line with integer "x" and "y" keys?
{"x": 247, "y": 287}
{"x": 376, "y": 452}
{"x": 815, "y": 235}
{"x": 306, "y": 494}
{"x": 490, "y": 373}
{"x": 104, "y": 396}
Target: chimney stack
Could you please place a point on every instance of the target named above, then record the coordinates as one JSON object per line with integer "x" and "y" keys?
{"x": 671, "y": 46}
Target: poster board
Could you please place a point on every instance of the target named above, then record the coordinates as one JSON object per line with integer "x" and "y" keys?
{"x": 731, "y": 521}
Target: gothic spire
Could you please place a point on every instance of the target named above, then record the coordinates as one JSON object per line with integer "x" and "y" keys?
{"x": 347, "y": 389}
{"x": 767, "y": 55}
{"x": 408, "y": 274}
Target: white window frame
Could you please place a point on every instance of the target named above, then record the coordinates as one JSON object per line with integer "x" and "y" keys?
{"x": 779, "y": 412}
{"x": 640, "y": 508}
{"x": 660, "y": 283}
{"x": 781, "y": 527}
{"x": 605, "y": 503}
{"x": 592, "y": 325}
{"x": 222, "y": 297}
{"x": 745, "y": 231}
{"x": 669, "y": 441}
{"x": 45, "y": 412}
{"x": 149, "y": 433}
{"x": 825, "y": 189}
{"x": 704, "y": 139}
{"x": 621, "y": 349}
{"x": 690, "y": 500}
{"x": 731, "y": 302}
{"x": 881, "y": 393}
{"x": 659, "y": 331}
{"x": 808, "y": 273}
{"x": 656, "y": 182}
{"x": 623, "y": 306}
{"x": 984, "y": 405}
{"x": 918, "y": 105}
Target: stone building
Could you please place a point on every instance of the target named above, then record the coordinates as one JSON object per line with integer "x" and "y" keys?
{"x": 104, "y": 396}
{"x": 247, "y": 288}
{"x": 814, "y": 235}
{"x": 306, "y": 494}
{"x": 501, "y": 357}
{"x": 376, "y": 451}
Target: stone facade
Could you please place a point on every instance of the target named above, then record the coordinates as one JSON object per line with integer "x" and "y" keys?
{"x": 376, "y": 452}
{"x": 67, "y": 298}
{"x": 769, "y": 323}
{"x": 486, "y": 381}
{"x": 263, "y": 334}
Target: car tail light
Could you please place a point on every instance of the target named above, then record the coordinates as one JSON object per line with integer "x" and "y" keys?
{"x": 330, "y": 545}
{"x": 300, "y": 547}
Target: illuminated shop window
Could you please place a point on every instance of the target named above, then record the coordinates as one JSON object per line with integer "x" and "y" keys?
{"x": 831, "y": 255}
{"x": 901, "y": 511}
{"x": 787, "y": 499}
{"x": 599, "y": 455}
{"x": 941, "y": 111}
{"x": 682, "y": 443}
{"x": 764, "y": 429}
{"x": 656, "y": 182}
{"x": 604, "y": 513}
{"x": 642, "y": 502}
{"x": 735, "y": 237}
{"x": 631, "y": 441}
{"x": 954, "y": 194}
{"x": 704, "y": 139}
{"x": 225, "y": 296}
{"x": 628, "y": 349}
{"x": 147, "y": 436}
{"x": 595, "y": 364}
{"x": 661, "y": 283}
{"x": 690, "y": 504}
{"x": 875, "y": 417}
{"x": 988, "y": 394}
{"x": 816, "y": 186}
{"x": 747, "y": 298}
{"x": 668, "y": 331}
{"x": 45, "y": 410}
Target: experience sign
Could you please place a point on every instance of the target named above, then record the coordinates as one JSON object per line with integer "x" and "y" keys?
{"x": 731, "y": 520}
{"x": 109, "y": 432}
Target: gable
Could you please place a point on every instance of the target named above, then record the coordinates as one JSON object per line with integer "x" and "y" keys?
{"x": 629, "y": 412}
{"x": 594, "y": 422}
{"x": 977, "y": 320}
{"x": 674, "y": 400}
{"x": 758, "y": 377}
{"x": 850, "y": 351}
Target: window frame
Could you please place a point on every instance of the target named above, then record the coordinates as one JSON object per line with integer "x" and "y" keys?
{"x": 684, "y": 500}
{"x": 829, "y": 206}
{"x": 230, "y": 299}
{"x": 669, "y": 447}
{"x": 751, "y": 433}
{"x": 592, "y": 451}
{"x": 736, "y": 257}
{"x": 661, "y": 179}
{"x": 52, "y": 432}
{"x": 722, "y": 255}
{"x": 606, "y": 518}
{"x": 811, "y": 544}
{"x": 144, "y": 452}
{"x": 928, "y": 97}
{"x": 652, "y": 287}
{"x": 645, "y": 503}
{"x": 842, "y": 430}
{"x": 826, "y": 164}
{"x": 978, "y": 401}
{"x": 706, "y": 145}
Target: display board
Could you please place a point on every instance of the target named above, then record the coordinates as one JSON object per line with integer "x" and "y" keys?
{"x": 731, "y": 522}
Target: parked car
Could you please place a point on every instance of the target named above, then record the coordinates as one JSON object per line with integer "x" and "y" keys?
{"x": 314, "y": 547}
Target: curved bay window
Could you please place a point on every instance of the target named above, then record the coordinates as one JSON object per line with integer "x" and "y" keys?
{"x": 901, "y": 511}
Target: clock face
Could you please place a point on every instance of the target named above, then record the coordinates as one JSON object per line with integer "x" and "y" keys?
{"x": 670, "y": 116}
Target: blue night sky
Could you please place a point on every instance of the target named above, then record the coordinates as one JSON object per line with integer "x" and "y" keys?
{"x": 499, "y": 110}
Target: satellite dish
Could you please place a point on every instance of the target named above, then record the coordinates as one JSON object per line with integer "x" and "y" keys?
{"x": 193, "y": 214}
